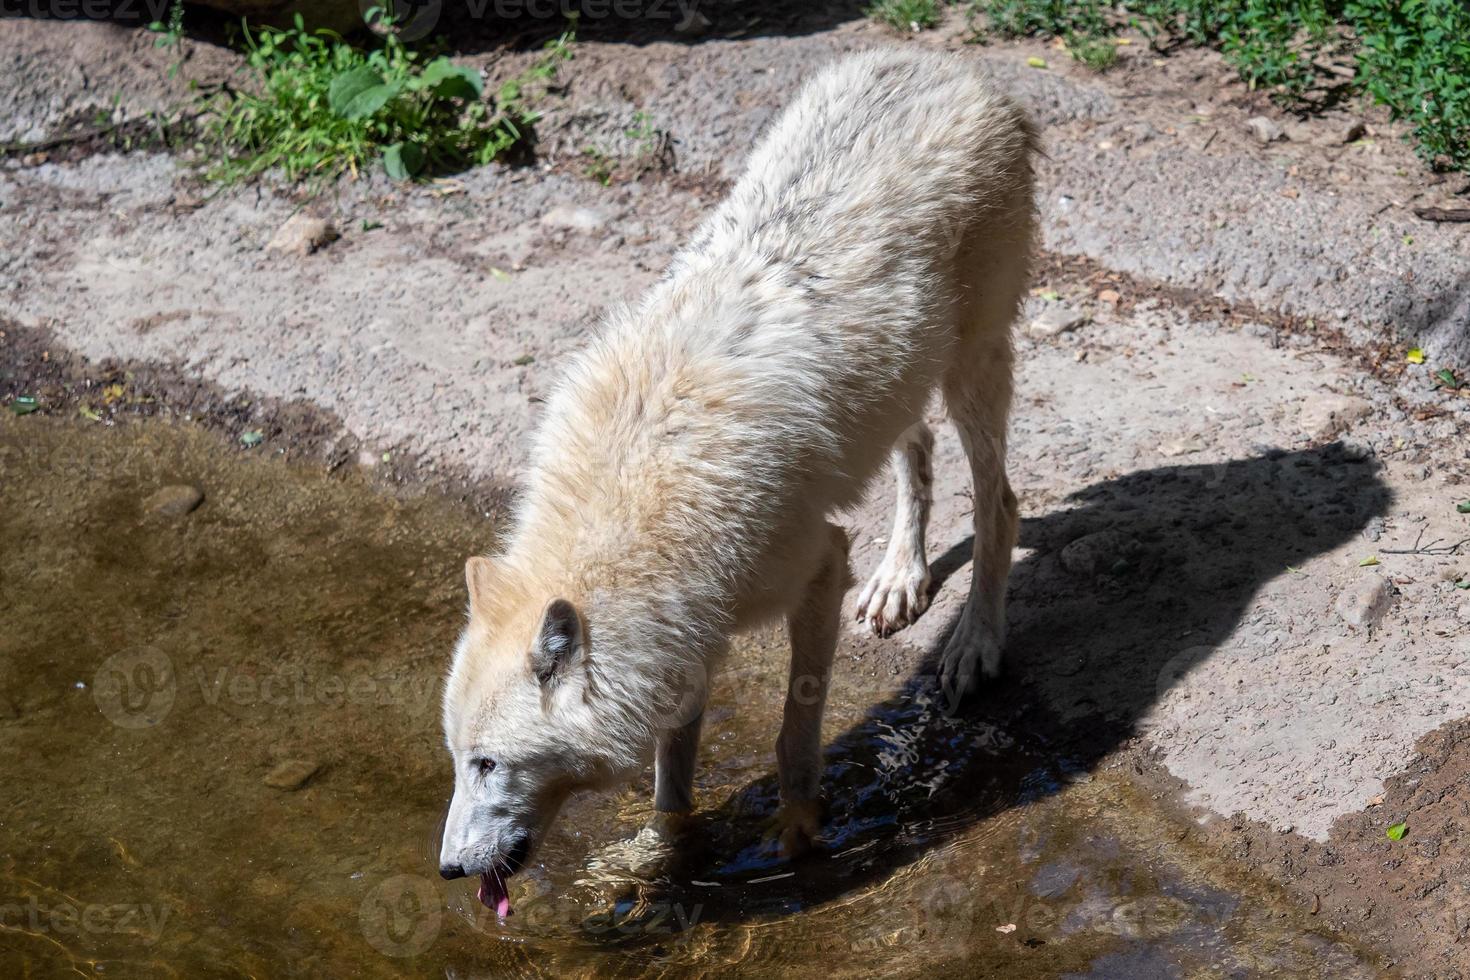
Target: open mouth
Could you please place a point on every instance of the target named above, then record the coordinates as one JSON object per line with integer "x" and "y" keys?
{"x": 493, "y": 892}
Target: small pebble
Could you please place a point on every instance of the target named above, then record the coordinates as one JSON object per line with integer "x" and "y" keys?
{"x": 1363, "y": 603}
{"x": 1054, "y": 321}
{"x": 1265, "y": 130}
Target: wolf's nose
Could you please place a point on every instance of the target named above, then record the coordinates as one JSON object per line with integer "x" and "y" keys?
{"x": 449, "y": 872}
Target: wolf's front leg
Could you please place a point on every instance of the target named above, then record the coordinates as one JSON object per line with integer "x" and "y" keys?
{"x": 813, "y": 626}
{"x": 673, "y": 774}
{"x": 898, "y": 592}
{"x": 652, "y": 848}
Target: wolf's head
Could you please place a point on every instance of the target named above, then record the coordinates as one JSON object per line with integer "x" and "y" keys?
{"x": 527, "y": 724}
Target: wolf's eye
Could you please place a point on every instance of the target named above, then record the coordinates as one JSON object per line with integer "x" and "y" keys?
{"x": 484, "y": 766}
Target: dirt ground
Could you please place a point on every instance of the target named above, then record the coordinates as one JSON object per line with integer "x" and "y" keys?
{"x": 1237, "y": 574}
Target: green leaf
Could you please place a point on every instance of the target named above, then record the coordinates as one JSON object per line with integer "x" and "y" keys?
{"x": 1463, "y": 507}
{"x": 24, "y": 405}
{"x": 448, "y": 80}
{"x": 252, "y": 438}
{"x": 359, "y": 92}
{"x": 403, "y": 161}
{"x": 1397, "y": 831}
{"x": 1368, "y": 562}
{"x": 1447, "y": 378}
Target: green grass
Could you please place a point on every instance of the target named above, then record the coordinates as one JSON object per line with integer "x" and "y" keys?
{"x": 1097, "y": 53}
{"x": 908, "y": 16}
{"x": 317, "y": 107}
{"x": 1410, "y": 55}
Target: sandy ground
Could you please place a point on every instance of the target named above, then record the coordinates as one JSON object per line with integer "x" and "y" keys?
{"x": 1240, "y": 306}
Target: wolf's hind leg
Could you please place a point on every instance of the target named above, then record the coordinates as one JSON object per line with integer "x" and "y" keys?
{"x": 813, "y": 626}
{"x": 898, "y": 592}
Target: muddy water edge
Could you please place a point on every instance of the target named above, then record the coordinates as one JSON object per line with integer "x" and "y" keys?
{"x": 220, "y": 743}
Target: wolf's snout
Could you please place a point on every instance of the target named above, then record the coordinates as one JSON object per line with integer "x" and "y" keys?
{"x": 449, "y": 872}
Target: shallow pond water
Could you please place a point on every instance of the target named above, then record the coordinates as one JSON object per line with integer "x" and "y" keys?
{"x": 220, "y": 743}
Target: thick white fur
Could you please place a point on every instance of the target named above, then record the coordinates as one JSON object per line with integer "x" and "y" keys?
{"x": 690, "y": 459}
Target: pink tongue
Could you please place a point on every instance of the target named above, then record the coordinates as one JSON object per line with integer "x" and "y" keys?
{"x": 493, "y": 894}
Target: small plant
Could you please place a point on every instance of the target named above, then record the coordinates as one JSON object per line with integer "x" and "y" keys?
{"x": 909, "y": 16}
{"x": 171, "y": 34}
{"x": 597, "y": 165}
{"x": 643, "y": 133}
{"x": 322, "y": 107}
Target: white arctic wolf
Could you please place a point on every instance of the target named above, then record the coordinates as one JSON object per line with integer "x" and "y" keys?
{"x": 683, "y": 479}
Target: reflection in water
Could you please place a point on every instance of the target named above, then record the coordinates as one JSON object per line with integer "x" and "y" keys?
{"x": 221, "y": 745}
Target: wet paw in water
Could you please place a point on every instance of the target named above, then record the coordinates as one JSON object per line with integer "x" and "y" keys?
{"x": 796, "y": 827}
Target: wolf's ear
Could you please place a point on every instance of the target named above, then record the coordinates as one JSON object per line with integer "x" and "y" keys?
{"x": 558, "y": 642}
{"x": 481, "y": 577}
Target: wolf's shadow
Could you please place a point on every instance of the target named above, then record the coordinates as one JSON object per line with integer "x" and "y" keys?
{"x": 1171, "y": 561}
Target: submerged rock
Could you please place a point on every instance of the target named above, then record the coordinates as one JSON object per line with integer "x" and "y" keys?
{"x": 291, "y": 774}
{"x": 173, "y": 502}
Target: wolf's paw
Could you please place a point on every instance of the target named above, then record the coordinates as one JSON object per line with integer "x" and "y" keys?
{"x": 796, "y": 826}
{"x": 895, "y": 596}
{"x": 969, "y": 655}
